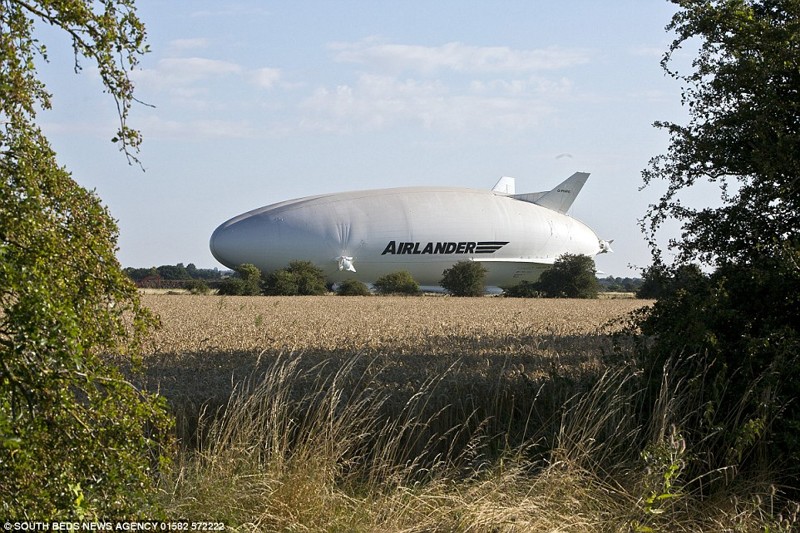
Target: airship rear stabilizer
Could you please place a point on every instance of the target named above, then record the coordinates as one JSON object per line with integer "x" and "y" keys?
{"x": 561, "y": 197}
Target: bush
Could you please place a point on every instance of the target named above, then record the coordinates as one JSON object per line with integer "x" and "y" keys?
{"x": 196, "y": 286}
{"x": 231, "y": 287}
{"x": 352, "y": 287}
{"x": 465, "y": 278}
{"x": 299, "y": 278}
{"x": 280, "y": 283}
{"x": 737, "y": 330}
{"x": 310, "y": 278}
{"x": 247, "y": 282}
{"x": 572, "y": 276}
{"x": 400, "y": 282}
{"x": 658, "y": 281}
{"x": 524, "y": 289}
{"x": 251, "y": 279}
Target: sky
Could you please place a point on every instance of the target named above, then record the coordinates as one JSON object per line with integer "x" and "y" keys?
{"x": 250, "y": 103}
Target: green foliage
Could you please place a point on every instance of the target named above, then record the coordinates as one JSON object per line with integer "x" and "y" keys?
{"x": 299, "y": 278}
{"x": 310, "y": 279}
{"x": 524, "y": 289}
{"x": 281, "y": 283}
{"x": 400, "y": 282}
{"x": 734, "y": 332}
{"x": 465, "y": 278}
{"x": 246, "y": 282}
{"x": 197, "y": 286}
{"x": 232, "y": 286}
{"x": 138, "y": 274}
{"x": 352, "y": 287}
{"x": 742, "y": 133}
{"x": 572, "y": 276}
{"x": 618, "y": 284}
{"x": 743, "y": 323}
{"x": 202, "y": 273}
{"x": 173, "y": 272}
{"x": 77, "y": 440}
{"x": 251, "y": 279}
{"x": 658, "y": 281}
{"x": 664, "y": 463}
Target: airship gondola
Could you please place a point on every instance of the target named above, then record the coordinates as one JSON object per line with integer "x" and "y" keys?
{"x": 424, "y": 230}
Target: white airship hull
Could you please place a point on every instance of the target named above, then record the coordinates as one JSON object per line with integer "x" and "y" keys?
{"x": 423, "y": 230}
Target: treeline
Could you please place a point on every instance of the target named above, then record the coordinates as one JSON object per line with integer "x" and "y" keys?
{"x": 175, "y": 276}
{"x": 612, "y": 284}
{"x": 571, "y": 277}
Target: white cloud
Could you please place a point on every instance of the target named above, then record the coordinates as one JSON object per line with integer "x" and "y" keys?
{"x": 497, "y": 88}
{"x": 457, "y": 57}
{"x": 192, "y": 69}
{"x": 179, "y": 74}
{"x": 188, "y": 44}
{"x": 184, "y": 75}
{"x": 266, "y": 78}
{"x": 533, "y": 85}
{"x": 377, "y": 102}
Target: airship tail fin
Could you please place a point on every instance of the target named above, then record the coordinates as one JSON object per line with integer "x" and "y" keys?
{"x": 561, "y": 197}
{"x": 504, "y": 185}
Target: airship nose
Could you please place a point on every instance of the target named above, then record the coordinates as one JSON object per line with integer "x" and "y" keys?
{"x": 223, "y": 246}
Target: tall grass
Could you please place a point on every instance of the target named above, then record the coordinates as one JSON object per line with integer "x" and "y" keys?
{"x": 330, "y": 448}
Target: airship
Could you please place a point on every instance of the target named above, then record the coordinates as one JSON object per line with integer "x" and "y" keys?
{"x": 424, "y": 230}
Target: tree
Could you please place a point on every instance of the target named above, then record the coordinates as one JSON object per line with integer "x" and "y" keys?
{"x": 658, "y": 281}
{"x": 76, "y": 438}
{"x": 197, "y": 286}
{"x": 572, "y": 276}
{"x": 310, "y": 279}
{"x": 352, "y": 287}
{"x": 251, "y": 279}
{"x": 523, "y": 289}
{"x": 299, "y": 278}
{"x": 743, "y": 133}
{"x": 173, "y": 272}
{"x": 138, "y": 274}
{"x": 246, "y": 282}
{"x": 738, "y": 327}
{"x": 465, "y": 278}
{"x": 400, "y": 282}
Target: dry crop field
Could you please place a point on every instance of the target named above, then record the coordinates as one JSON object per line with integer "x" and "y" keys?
{"x": 398, "y": 325}
{"x": 209, "y": 344}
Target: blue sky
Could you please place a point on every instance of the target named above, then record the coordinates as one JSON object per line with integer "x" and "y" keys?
{"x": 258, "y": 102}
